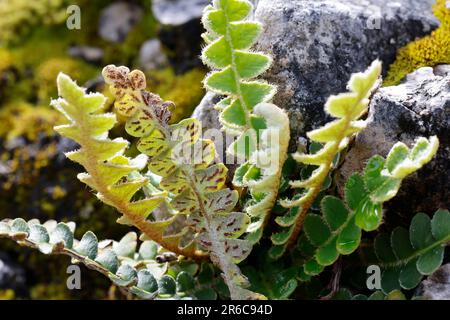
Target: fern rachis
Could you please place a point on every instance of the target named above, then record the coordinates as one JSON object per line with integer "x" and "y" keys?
{"x": 196, "y": 187}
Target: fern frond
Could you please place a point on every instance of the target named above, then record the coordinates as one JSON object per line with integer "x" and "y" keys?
{"x": 407, "y": 255}
{"x": 133, "y": 268}
{"x": 262, "y": 129}
{"x": 347, "y": 108}
{"x": 108, "y": 170}
{"x": 338, "y": 230}
{"x": 185, "y": 163}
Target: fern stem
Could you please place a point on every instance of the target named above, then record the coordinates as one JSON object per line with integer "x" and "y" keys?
{"x": 415, "y": 255}
{"x": 236, "y": 75}
{"x": 90, "y": 264}
{"x": 122, "y": 206}
{"x": 307, "y": 200}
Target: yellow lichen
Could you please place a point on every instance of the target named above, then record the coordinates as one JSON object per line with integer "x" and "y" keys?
{"x": 19, "y": 16}
{"x": 23, "y": 119}
{"x": 428, "y": 51}
{"x": 6, "y": 59}
{"x": 7, "y": 294}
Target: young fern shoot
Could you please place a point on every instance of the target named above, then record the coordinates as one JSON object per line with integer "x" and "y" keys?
{"x": 347, "y": 108}
{"x": 261, "y": 128}
{"x": 194, "y": 183}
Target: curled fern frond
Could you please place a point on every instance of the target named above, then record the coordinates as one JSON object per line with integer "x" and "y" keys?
{"x": 262, "y": 129}
{"x": 338, "y": 230}
{"x": 348, "y": 109}
{"x": 188, "y": 173}
{"x": 108, "y": 170}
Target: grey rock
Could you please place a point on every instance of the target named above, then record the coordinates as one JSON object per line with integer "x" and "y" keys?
{"x": 12, "y": 276}
{"x": 209, "y": 119}
{"x": 117, "y": 19}
{"x": 88, "y": 54}
{"x": 152, "y": 56}
{"x": 178, "y": 12}
{"x": 436, "y": 286}
{"x": 205, "y": 112}
{"x": 420, "y": 106}
{"x": 181, "y": 31}
{"x": 317, "y": 45}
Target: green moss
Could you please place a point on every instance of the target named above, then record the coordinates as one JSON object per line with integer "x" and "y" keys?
{"x": 7, "y": 294}
{"x": 47, "y": 72}
{"x": 20, "y": 16}
{"x": 6, "y": 59}
{"x": 428, "y": 51}
{"x": 24, "y": 119}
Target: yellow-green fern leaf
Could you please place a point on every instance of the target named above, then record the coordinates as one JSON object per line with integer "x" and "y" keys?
{"x": 347, "y": 108}
{"x": 108, "y": 170}
{"x": 337, "y": 231}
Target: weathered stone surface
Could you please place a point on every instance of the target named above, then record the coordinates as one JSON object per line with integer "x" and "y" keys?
{"x": 88, "y": 54}
{"x": 178, "y": 12}
{"x": 316, "y": 45}
{"x": 12, "y": 276}
{"x": 209, "y": 119}
{"x": 181, "y": 31}
{"x": 117, "y": 19}
{"x": 418, "y": 107}
{"x": 152, "y": 56}
{"x": 436, "y": 286}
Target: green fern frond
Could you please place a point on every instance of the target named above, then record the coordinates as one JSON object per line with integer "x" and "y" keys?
{"x": 185, "y": 163}
{"x": 347, "y": 108}
{"x": 407, "y": 255}
{"x": 338, "y": 230}
{"x": 108, "y": 170}
{"x": 134, "y": 269}
{"x": 262, "y": 129}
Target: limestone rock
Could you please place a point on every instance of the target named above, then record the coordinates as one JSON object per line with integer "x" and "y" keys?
{"x": 317, "y": 45}
{"x": 152, "y": 56}
{"x": 117, "y": 19}
{"x": 178, "y": 12}
{"x": 420, "y": 106}
{"x": 436, "y": 286}
{"x": 12, "y": 276}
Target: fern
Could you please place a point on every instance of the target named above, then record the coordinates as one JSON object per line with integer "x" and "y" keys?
{"x": 262, "y": 129}
{"x": 348, "y": 108}
{"x": 184, "y": 161}
{"x": 135, "y": 270}
{"x": 107, "y": 168}
{"x": 338, "y": 231}
{"x": 406, "y": 256}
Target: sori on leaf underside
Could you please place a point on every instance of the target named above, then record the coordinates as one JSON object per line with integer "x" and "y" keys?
{"x": 193, "y": 181}
{"x": 174, "y": 192}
